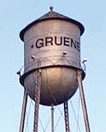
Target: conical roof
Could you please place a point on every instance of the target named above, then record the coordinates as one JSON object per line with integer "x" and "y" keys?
{"x": 51, "y": 15}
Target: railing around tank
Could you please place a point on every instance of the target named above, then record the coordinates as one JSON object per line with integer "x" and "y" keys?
{"x": 49, "y": 61}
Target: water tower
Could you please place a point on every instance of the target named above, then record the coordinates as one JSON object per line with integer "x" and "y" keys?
{"x": 52, "y": 65}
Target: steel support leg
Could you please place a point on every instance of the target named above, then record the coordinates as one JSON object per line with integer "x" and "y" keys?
{"x": 66, "y": 116}
{"x": 23, "y": 112}
{"x": 83, "y": 102}
{"x": 52, "y": 118}
{"x": 37, "y": 100}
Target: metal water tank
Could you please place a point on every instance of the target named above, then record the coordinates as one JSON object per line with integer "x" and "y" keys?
{"x": 52, "y": 44}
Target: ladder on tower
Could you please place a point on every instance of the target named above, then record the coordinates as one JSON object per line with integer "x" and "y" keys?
{"x": 37, "y": 99}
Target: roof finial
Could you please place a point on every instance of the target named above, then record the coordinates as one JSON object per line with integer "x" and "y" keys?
{"x": 51, "y": 8}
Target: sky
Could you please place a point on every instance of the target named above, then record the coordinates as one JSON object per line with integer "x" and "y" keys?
{"x": 14, "y": 16}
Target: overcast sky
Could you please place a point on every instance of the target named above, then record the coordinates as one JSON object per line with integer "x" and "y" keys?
{"x": 14, "y": 16}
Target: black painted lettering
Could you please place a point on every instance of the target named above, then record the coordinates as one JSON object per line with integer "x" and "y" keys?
{"x": 39, "y": 43}
{"x": 48, "y": 40}
{"x": 66, "y": 41}
{"x": 78, "y": 46}
{"x": 58, "y": 40}
{"x": 73, "y": 43}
